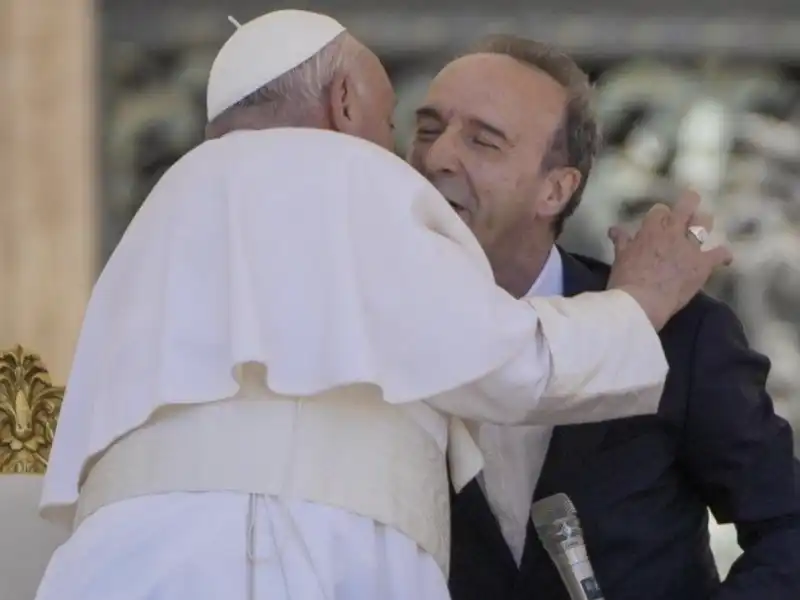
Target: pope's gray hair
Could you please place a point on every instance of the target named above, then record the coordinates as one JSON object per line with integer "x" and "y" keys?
{"x": 294, "y": 95}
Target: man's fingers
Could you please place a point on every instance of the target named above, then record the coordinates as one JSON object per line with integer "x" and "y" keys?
{"x": 702, "y": 219}
{"x": 719, "y": 256}
{"x": 657, "y": 218}
{"x": 657, "y": 211}
{"x": 685, "y": 209}
{"x": 619, "y": 237}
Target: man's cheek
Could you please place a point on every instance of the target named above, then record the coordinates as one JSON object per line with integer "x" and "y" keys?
{"x": 414, "y": 156}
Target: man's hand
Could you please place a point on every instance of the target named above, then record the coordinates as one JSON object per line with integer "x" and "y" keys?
{"x": 663, "y": 266}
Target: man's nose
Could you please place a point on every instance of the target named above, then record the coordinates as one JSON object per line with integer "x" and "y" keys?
{"x": 442, "y": 155}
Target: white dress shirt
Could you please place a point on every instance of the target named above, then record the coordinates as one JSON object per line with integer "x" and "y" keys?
{"x": 514, "y": 455}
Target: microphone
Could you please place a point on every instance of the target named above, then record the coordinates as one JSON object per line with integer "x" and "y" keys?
{"x": 560, "y": 532}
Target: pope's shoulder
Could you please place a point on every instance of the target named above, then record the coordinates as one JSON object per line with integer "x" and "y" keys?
{"x": 289, "y": 150}
{"x": 307, "y": 142}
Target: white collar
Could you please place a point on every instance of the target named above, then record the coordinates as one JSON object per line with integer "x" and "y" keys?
{"x": 550, "y": 281}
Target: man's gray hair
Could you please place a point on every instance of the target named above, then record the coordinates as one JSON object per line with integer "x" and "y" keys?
{"x": 291, "y": 95}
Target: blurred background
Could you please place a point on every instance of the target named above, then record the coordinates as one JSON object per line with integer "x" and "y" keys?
{"x": 98, "y": 99}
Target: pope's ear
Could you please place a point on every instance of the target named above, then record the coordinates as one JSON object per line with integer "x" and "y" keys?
{"x": 341, "y": 102}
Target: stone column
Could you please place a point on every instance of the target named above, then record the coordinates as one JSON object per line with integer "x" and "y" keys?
{"x": 47, "y": 174}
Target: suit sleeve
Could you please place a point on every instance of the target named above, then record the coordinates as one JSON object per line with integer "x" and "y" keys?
{"x": 593, "y": 357}
{"x": 739, "y": 455}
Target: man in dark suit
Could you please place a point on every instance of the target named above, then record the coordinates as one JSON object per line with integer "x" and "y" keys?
{"x": 507, "y": 135}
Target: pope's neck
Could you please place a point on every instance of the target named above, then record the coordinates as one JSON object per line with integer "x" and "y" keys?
{"x": 517, "y": 272}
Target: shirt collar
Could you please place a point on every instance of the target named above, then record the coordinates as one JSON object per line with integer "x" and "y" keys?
{"x": 550, "y": 281}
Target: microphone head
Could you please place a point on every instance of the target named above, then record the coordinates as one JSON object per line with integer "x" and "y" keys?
{"x": 559, "y": 529}
{"x": 556, "y": 521}
{"x": 552, "y": 508}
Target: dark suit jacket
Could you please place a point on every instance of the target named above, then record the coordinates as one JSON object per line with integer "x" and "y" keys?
{"x": 642, "y": 485}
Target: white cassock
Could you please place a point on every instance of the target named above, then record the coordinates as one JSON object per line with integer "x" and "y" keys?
{"x": 274, "y": 365}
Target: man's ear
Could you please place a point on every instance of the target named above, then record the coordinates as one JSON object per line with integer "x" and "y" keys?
{"x": 341, "y": 99}
{"x": 561, "y": 184}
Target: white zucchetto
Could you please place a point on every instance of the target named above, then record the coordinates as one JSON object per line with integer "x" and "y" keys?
{"x": 262, "y": 50}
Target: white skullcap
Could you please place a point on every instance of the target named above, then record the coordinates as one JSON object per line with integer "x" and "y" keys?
{"x": 264, "y": 49}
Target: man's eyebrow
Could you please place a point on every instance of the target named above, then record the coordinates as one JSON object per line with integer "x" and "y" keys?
{"x": 428, "y": 112}
{"x": 489, "y": 128}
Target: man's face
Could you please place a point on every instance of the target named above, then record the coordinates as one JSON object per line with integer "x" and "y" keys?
{"x": 481, "y": 135}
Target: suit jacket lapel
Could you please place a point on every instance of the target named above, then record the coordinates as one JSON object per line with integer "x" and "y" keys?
{"x": 569, "y": 444}
{"x": 470, "y": 505}
{"x": 471, "y": 509}
{"x": 578, "y": 278}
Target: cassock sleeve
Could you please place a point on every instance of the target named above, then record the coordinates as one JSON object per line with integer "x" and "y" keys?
{"x": 593, "y": 357}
